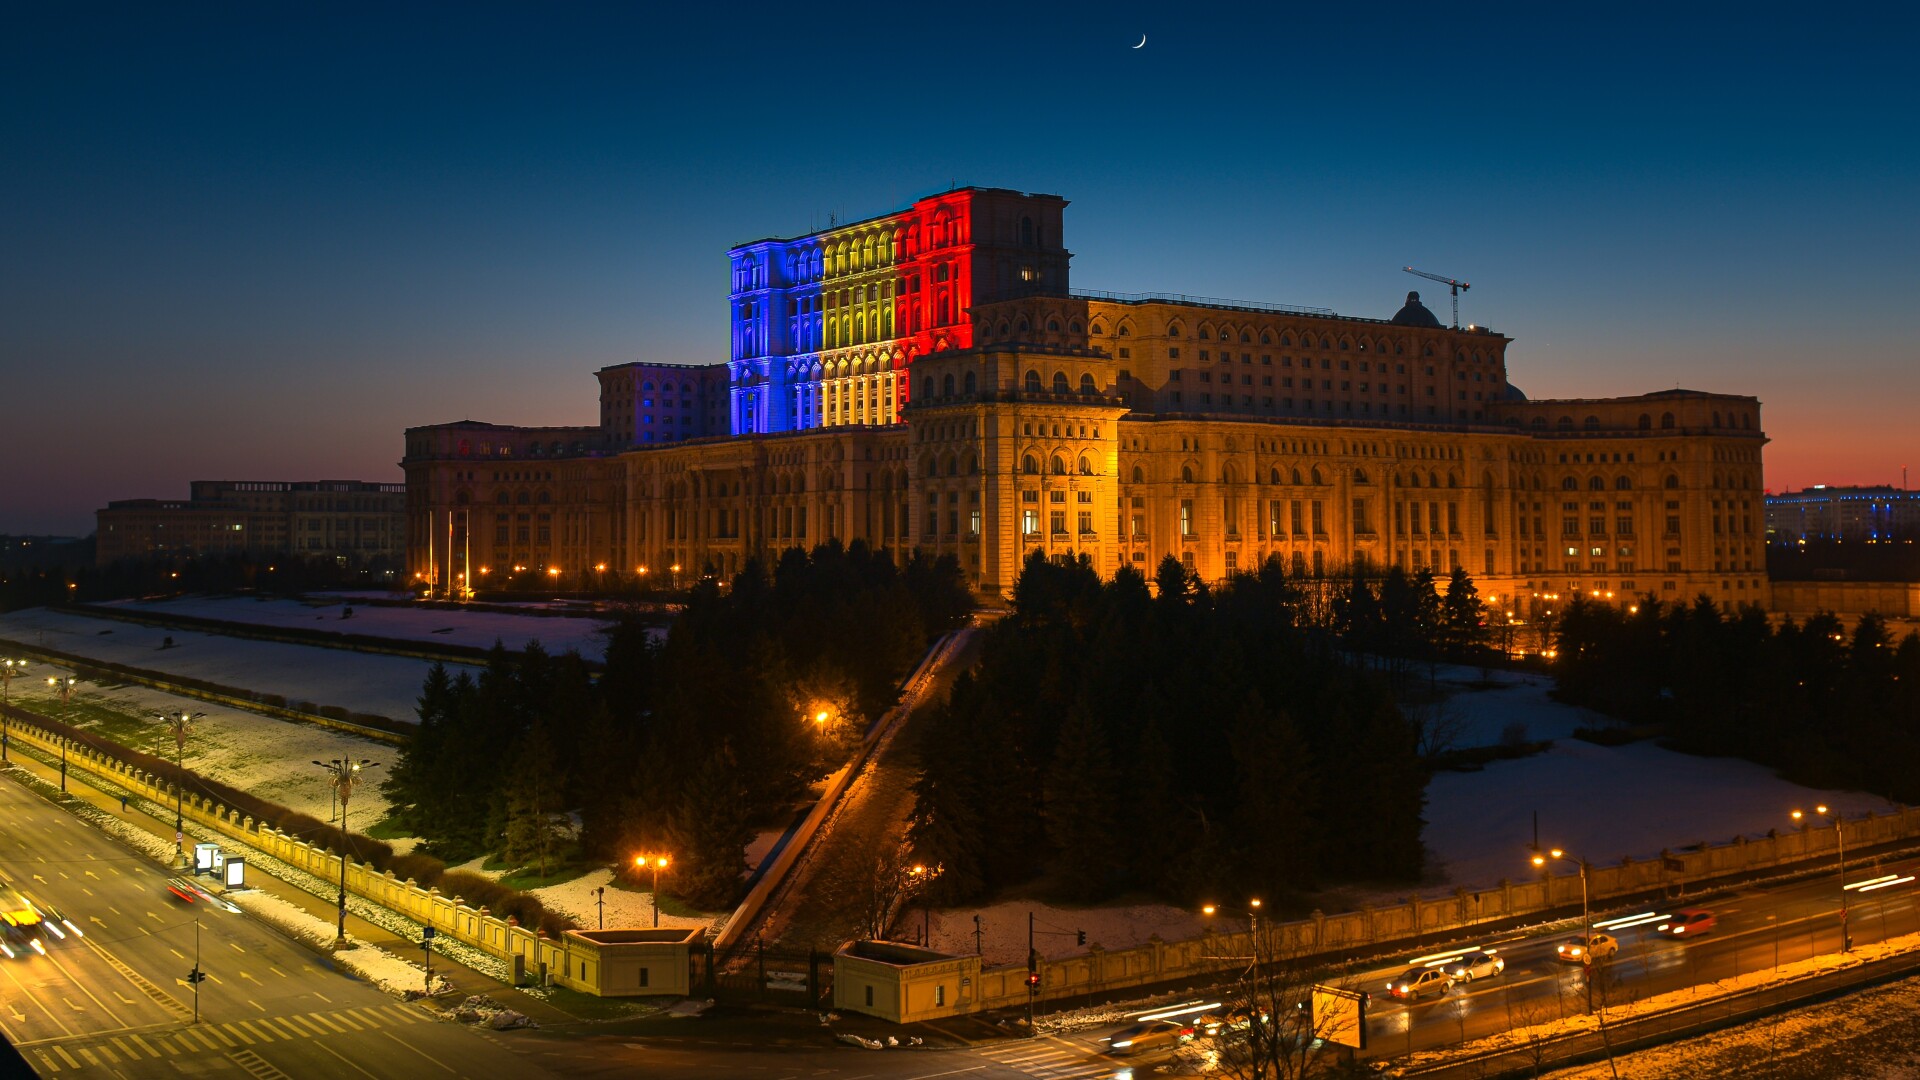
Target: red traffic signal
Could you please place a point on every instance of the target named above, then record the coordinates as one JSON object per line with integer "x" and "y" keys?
{"x": 1033, "y": 978}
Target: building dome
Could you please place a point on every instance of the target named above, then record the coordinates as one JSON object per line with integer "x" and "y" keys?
{"x": 1513, "y": 393}
{"x": 1415, "y": 314}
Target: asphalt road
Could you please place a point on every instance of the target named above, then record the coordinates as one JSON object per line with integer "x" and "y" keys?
{"x": 115, "y": 1001}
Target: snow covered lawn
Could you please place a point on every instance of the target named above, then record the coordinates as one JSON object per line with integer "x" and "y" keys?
{"x": 361, "y": 682}
{"x": 478, "y": 629}
{"x": 270, "y": 758}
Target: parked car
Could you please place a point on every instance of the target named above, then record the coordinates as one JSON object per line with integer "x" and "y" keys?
{"x": 1595, "y": 948}
{"x": 1416, "y": 983}
{"x": 1477, "y": 965}
{"x": 1689, "y": 923}
{"x": 1146, "y": 1036}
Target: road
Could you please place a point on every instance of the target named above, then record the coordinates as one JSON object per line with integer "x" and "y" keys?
{"x": 823, "y": 901}
{"x": 116, "y": 1000}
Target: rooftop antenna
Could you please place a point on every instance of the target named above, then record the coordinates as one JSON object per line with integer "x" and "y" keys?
{"x": 1457, "y": 287}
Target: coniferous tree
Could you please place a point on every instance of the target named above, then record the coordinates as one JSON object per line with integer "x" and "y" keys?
{"x": 709, "y": 833}
{"x": 1081, "y": 811}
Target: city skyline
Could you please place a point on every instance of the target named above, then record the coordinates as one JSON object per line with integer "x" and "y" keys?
{"x": 248, "y": 248}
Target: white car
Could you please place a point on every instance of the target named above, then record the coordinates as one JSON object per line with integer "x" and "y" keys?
{"x": 1476, "y": 965}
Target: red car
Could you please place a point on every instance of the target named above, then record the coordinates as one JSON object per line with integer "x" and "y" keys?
{"x": 1688, "y": 923}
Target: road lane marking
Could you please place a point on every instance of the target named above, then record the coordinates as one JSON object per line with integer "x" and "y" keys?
{"x": 86, "y": 890}
{"x": 368, "y": 1016}
{"x": 417, "y": 1050}
{"x": 266, "y": 1035}
{"x": 347, "y": 1020}
{"x": 88, "y": 1054}
{"x": 152, "y": 916}
{"x": 236, "y": 947}
{"x": 142, "y": 1043}
{"x": 176, "y": 952}
{"x": 345, "y": 1062}
{"x": 124, "y": 999}
{"x": 256, "y": 1005}
{"x": 317, "y": 993}
{"x": 309, "y": 1026}
{"x": 248, "y": 977}
{"x": 202, "y": 1036}
{"x": 234, "y": 1031}
{"x": 321, "y": 1018}
{"x": 276, "y": 971}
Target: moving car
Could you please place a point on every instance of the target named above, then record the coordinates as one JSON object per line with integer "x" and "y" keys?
{"x": 1416, "y": 983}
{"x": 1596, "y": 947}
{"x": 25, "y": 926}
{"x": 1238, "y": 1018}
{"x": 1146, "y": 1036}
{"x": 1689, "y": 923}
{"x": 1476, "y": 965}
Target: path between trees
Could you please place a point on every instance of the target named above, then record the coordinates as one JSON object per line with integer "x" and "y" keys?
{"x": 824, "y": 898}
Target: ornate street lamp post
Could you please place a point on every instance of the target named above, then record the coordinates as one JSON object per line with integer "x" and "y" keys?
{"x": 180, "y": 725}
{"x": 345, "y": 774}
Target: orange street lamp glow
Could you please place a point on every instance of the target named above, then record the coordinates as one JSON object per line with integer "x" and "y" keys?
{"x": 1207, "y": 910}
{"x": 553, "y": 571}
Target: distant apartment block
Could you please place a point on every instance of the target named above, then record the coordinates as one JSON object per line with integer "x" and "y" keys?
{"x": 1843, "y": 513}
{"x": 354, "y": 521}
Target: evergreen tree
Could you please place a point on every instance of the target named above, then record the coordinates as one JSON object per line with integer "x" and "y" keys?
{"x": 1081, "y": 811}
{"x": 1462, "y": 617}
{"x": 532, "y": 829}
{"x": 709, "y": 832}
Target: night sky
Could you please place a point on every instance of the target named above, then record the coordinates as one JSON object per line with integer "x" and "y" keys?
{"x": 237, "y": 243}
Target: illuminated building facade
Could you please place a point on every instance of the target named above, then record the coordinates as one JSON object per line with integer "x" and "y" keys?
{"x": 1824, "y": 512}
{"x": 354, "y": 521}
{"x": 989, "y": 411}
{"x": 825, "y": 325}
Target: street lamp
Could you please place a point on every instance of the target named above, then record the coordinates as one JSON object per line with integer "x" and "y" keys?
{"x": 600, "y": 900}
{"x": 656, "y": 863}
{"x": 8, "y": 669}
{"x": 1840, "y": 839}
{"x": 180, "y": 724}
{"x": 64, "y": 685}
{"x": 1586, "y": 916}
{"x": 345, "y": 774}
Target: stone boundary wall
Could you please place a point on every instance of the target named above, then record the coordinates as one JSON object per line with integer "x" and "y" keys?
{"x": 1891, "y": 599}
{"x": 1100, "y": 970}
{"x": 231, "y": 697}
{"x": 570, "y": 963}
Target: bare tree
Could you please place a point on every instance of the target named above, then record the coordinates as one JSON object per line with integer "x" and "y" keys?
{"x": 894, "y": 880}
{"x": 1273, "y": 1031}
{"x": 1439, "y": 723}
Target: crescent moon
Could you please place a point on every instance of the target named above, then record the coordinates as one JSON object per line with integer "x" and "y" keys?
{"x": 1143, "y": 42}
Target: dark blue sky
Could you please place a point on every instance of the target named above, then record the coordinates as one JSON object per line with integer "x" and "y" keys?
{"x": 241, "y": 243}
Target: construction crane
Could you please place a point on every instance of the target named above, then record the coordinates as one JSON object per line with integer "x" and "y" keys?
{"x": 1458, "y": 287}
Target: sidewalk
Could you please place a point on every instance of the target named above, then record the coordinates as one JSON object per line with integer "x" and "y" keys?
{"x": 158, "y": 821}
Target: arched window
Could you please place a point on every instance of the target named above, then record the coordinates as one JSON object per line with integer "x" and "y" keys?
{"x": 1360, "y": 476}
{"x": 973, "y": 465}
{"x": 1716, "y": 419}
{"x": 1033, "y": 382}
{"x": 1053, "y": 326}
{"x": 1568, "y": 483}
{"x": 1029, "y": 466}
{"x": 1598, "y": 483}
{"x": 1316, "y": 476}
{"x": 1593, "y": 423}
{"x": 460, "y": 498}
{"x": 953, "y": 465}
{"x": 1086, "y": 386}
{"x": 1673, "y": 481}
{"x": 1173, "y": 328}
{"x": 926, "y": 387}
{"x": 1086, "y": 466}
{"x": 1623, "y": 483}
{"x": 1273, "y": 475}
{"x": 1413, "y": 480}
{"x": 1565, "y": 424}
{"x": 1666, "y": 421}
{"x": 1296, "y": 476}
{"x": 946, "y": 385}
{"x": 1139, "y": 475}
{"x": 1540, "y": 423}
{"x": 501, "y": 498}
{"x": 1059, "y": 382}
{"x": 971, "y": 384}
{"x": 546, "y": 497}
{"x": 522, "y": 499}
{"x": 1646, "y": 422}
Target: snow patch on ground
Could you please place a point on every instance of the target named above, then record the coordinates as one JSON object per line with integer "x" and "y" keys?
{"x": 478, "y": 629}
{"x": 386, "y": 686}
{"x": 1003, "y": 927}
{"x": 259, "y": 754}
{"x": 625, "y": 908}
{"x": 370, "y": 962}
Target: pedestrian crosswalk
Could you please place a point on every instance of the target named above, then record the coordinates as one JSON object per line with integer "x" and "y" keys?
{"x": 233, "y": 1038}
{"x": 1047, "y": 1058}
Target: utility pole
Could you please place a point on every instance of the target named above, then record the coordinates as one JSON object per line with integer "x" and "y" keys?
{"x": 426, "y": 944}
{"x": 196, "y": 976}
{"x": 977, "y": 951}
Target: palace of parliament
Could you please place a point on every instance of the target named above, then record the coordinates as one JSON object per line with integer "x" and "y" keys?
{"x": 928, "y": 379}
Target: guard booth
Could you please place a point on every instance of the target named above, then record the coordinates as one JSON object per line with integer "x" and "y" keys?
{"x": 903, "y": 983}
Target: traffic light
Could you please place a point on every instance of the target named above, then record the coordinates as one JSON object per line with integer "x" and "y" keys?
{"x": 196, "y": 976}
{"x": 1080, "y": 937}
{"x": 1033, "y": 979}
